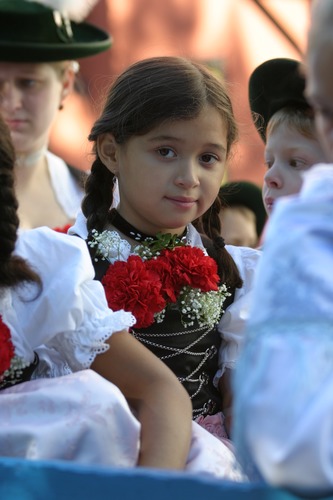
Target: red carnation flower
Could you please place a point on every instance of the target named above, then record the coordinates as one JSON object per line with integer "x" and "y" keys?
{"x": 135, "y": 288}
{"x": 162, "y": 267}
{"x": 191, "y": 267}
{"x": 7, "y": 350}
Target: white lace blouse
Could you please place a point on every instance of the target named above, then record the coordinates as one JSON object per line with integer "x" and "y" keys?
{"x": 69, "y": 316}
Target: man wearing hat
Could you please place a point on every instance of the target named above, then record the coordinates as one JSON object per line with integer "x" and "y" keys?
{"x": 39, "y": 45}
{"x": 285, "y": 122}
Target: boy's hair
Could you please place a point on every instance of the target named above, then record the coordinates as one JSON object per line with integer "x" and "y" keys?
{"x": 146, "y": 94}
{"x": 301, "y": 120}
{"x": 13, "y": 269}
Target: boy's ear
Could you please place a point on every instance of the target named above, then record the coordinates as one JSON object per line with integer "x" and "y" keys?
{"x": 107, "y": 149}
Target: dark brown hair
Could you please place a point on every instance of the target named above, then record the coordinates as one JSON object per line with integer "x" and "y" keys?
{"x": 146, "y": 94}
{"x": 13, "y": 269}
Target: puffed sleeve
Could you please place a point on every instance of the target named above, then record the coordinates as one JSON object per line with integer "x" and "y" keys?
{"x": 283, "y": 427}
{"x": 231, "y": 326}
{"x": 70, "y": 313}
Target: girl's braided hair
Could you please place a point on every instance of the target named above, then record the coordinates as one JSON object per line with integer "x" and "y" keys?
{"x": 13, "y": 269}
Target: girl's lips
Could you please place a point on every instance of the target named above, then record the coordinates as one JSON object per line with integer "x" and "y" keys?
{"x": 181, "y": 201}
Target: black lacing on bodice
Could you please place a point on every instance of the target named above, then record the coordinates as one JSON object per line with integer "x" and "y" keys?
{"x": 191, "y": 353}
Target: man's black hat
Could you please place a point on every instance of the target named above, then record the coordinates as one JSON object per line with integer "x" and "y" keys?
{"x": 32, "y": 32}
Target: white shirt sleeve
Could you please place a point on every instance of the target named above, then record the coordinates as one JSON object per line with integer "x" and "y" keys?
{"x": 231, "y": 326}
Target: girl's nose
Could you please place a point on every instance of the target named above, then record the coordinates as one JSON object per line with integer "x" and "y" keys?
{"x": 187, "y": 175}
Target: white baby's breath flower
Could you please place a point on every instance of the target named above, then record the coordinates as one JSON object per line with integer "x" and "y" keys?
{"x": 110, "y": 246}
{"x": 203, "y": 307}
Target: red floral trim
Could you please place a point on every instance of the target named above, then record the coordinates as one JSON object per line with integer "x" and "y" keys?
{"x": 7, "y": 351}
{"x": 62, "y": 229}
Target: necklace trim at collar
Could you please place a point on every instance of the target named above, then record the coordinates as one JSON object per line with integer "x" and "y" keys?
{"x": 31, "y": 159}
{"x": 131, "y": 232}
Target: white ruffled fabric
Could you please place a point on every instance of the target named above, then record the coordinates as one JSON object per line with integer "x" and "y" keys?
{"x": 70, "y": 314}
{"x": 284, "y": 378}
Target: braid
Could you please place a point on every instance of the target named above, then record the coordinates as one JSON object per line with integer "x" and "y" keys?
{"x": 13, "y": 269}
{"x": 210, "y": 225}
{"x": 99, "y": 195}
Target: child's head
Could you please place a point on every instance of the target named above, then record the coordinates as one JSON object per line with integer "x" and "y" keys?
{"x": 150, "y": 95}
{"x": 165, "y": 134}
{"x": 242, "y": 214}
{"x": 292, "y": 147}
{"x": 285, "y": 121}
{"x": 319, "y": 72}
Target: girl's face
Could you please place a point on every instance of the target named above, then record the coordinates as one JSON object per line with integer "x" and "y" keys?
{"x": 171, "y": 175}
{"x": 30, "y": 95}
{"x": 288, "y": 153}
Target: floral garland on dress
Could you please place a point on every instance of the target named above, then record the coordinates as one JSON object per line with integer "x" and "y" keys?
{"x": 160, "y": 274}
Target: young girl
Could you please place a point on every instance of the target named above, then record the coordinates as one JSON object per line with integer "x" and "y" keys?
{"x": 164, "y": 138}
{"x": 285, "y": 122}
{"x": 55, "y": 322}
{"x": 39, "y": 46}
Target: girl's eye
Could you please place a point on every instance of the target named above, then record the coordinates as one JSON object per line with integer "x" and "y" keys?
{"x": 208, "y": 158}
{"x": 268, "y": 164}
{"x": 166, "y": 152}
